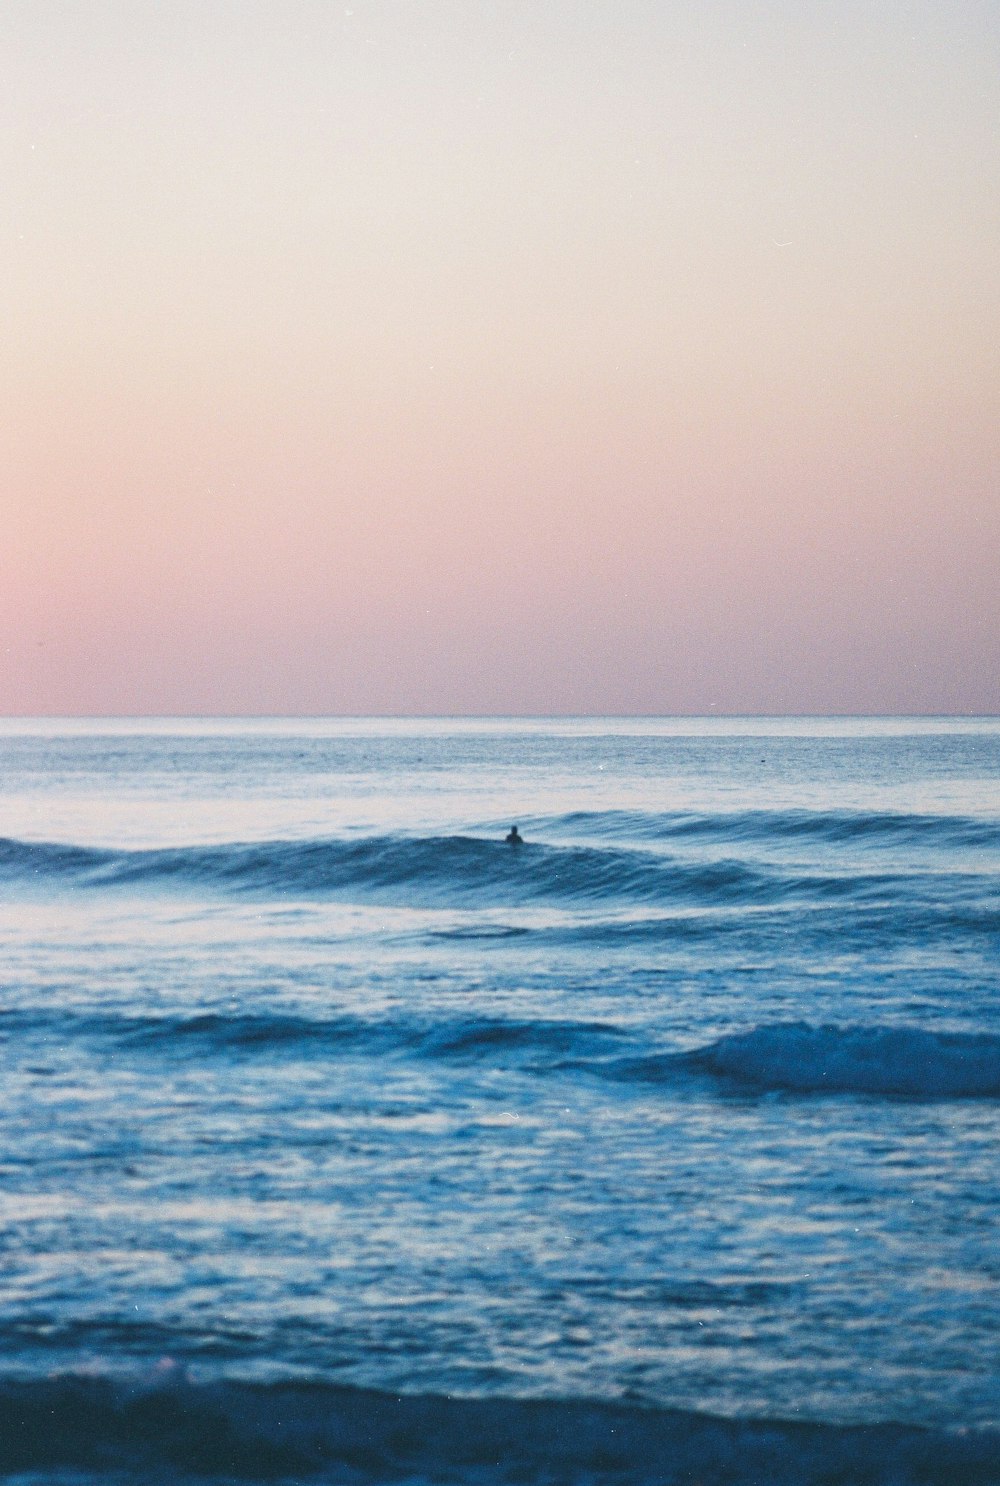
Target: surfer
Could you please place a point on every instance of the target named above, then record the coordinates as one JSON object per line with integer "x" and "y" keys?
{"x": 514, "y": 837}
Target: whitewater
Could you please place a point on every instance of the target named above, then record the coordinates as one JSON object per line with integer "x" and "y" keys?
{"x": 343, "y": 1142}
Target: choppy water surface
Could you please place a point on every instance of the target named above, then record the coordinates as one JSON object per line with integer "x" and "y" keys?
{"x": 343, "y": 1142}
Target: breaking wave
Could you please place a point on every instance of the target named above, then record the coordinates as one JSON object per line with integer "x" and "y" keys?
{"x": 902, "y": 1062}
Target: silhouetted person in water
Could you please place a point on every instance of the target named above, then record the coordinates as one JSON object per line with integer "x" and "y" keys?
{"x": 514, "y": 837}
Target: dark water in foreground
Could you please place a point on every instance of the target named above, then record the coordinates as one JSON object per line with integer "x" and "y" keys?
{"x": 341, "y": 1142}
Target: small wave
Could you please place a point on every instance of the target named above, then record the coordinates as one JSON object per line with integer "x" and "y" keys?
{"x": 184, "y": 1034}
{"x": 99, "y": 1429}
{"x": 902, "y": 1062}
{"x": 238, "y": 1031}
{"x": 479, "y": 1038}
{"x": 49, "y": 859}
{"x": 468, "y": 1038}
{"x": 822, "y": 826}
{"x": 475, "y": 932}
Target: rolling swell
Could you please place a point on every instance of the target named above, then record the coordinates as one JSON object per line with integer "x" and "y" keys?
{"x": 453, "y": 869}
{"x": 780, "y": 1057}
{"x": 284, "y": 1431}
{"x": 432, "y": 871}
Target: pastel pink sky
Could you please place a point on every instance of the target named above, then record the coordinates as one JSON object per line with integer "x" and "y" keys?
{"x": 442, "y": 356}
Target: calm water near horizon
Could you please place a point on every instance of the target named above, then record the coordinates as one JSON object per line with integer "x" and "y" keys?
{"x": 343, "y": 1142}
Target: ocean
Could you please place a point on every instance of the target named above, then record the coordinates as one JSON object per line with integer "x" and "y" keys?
{"x": 344, "y": 1142}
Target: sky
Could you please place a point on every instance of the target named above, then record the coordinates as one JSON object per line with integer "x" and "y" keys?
{"x": 454, "y": 356}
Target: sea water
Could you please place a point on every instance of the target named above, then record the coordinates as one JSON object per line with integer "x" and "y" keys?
{"x": 342, "y": 1141}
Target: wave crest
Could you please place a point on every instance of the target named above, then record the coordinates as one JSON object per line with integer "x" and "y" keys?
{"x": 461, "y": 870}
{"x": 904, "y": 1062}
{"x": 891, "y": 828}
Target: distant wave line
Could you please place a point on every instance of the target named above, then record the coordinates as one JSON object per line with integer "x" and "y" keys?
{"x": 829, "y": 826}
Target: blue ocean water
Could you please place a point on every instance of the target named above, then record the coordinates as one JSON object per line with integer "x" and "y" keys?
{"x": 343, "y": 1142}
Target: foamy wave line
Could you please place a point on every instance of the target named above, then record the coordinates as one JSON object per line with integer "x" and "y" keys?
{"x": 97, "y": 1429}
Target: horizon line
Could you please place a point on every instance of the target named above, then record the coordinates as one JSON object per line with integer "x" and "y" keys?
{"x": 485, "y": 716}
